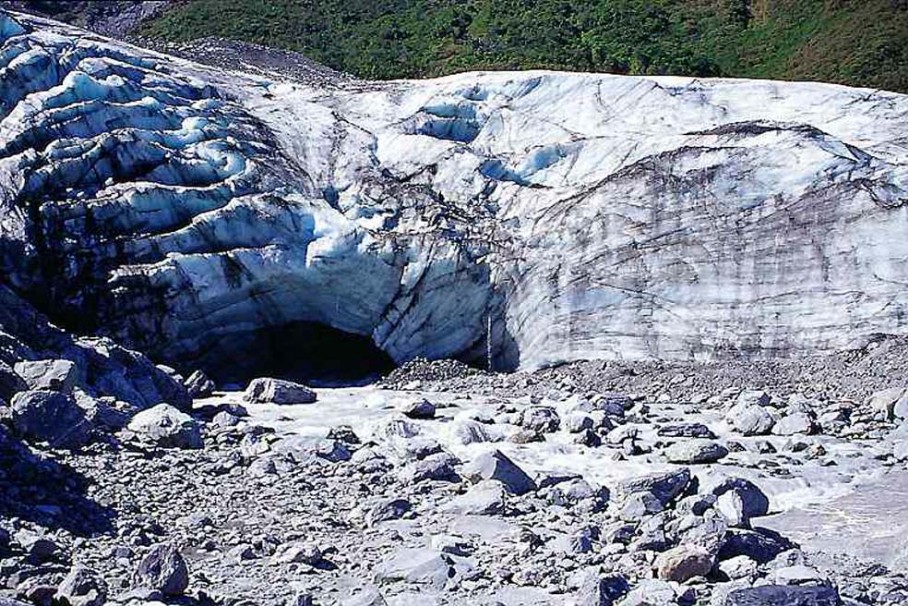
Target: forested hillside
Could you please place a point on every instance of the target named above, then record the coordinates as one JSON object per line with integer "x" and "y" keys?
{"x": 857, "y": 42}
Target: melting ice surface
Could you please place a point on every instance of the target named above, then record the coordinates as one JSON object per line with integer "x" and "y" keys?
{"x": 589, "y": 216}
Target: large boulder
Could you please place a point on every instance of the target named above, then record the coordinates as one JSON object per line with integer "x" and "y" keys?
{"x": 467, "y": 431}
{"x": 485, "y": 498}
{"x": 55, "y": 375}
{"x": 594, "y": 589}
{"x": 495, "y": 465}
{"x": 750, "y": 420}
{"x": 539, "y": 419}
{"x": 739, "y": 500}
{"x": 664, "y": 486}
{"x": 126, "y": 375}
{"x": 82, "y": 587}
{"x": 278, "y": 391}
{"x": 796, "y": 423}
{"x": 693, "y": 452}
{"x": 684, "y": 562}
{"x": 760, "y": 544}
{"x": 49, "y": 416}
{"x": 165, "y": 426}
{"x": 884, "y": 401}
{"x": 10, "y": 382}
{"x": 199, "y": 385}
{"x": 163, "y": 569}
{"x": 419, "y": 408}
{"x": 421, "y": 566}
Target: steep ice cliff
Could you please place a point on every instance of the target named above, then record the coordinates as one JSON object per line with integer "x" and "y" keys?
{"x": 184, "y": 209}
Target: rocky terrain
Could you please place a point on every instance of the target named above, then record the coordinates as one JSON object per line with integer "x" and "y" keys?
{"x": 600, "y": 234}
{"x": 114, "y": 18}
{"x": 439, "y": 493}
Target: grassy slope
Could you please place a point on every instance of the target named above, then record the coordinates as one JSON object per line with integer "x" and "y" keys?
{"x": 857, "y": 42}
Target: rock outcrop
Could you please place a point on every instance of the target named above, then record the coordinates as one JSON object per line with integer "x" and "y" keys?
{"x": 534, "y": 216}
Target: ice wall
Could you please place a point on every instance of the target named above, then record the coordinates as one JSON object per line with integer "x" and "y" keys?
{"x": 176, "y": 207}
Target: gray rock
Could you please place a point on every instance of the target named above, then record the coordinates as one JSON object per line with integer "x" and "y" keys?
{"x": 573, "y": 492}
{"x": 739, "y": 567}
{"x": 639, "y": 505}
{"x": 795, "y": 423}
{"x": 574, "y": 543}
{"x": 485, "y": 498}
{"x": 588, "y": 437}
{"x": 37, "y": 547}
{"x": 751, "y": 420}
{"x": 263, "y": 466}
{"x": 344, "y": 433}
{"x": 732, "y": 508}
{"x": 685, "y": 430}
{"x": 900, "y": 450}
{"x": 759, "y": 544}
{"x": 388, "y": 509}
{"x": 540, "y": 419}
{"x": 49, "y": 416}
{"x": 10, "y": 382}
{"x": 708, "y": 531}
{"x": 418, "y": 447}
{"x": 577, "y": 422}
{"x": 695, "y": 452}
{"x": 298, "y": 552}
{"x": 421, "y": 566}
{"x": 368, "y": 596}
{"x": 166, "y": 427}
{"x": 495, "y": 465}
{"x": 82, "y": 587}
{"x": 900, "y": 409}
{"x": 396, "y": 427}
{"x": 884, "y": 401}
{"x": 224, "y": 419}
{"x": 753, "y": 501}
{"x": 163, "y": 569}
{"x": 595, "y": 589}
{"x": 665, "y": 486}
{"x": 797, "y": 574}
{"x": 199, "y": 385}
{"x": 335, "y": 451}
{"x": 650, "y": 592}
{"x": 277, "y": 391}
{"x": 621, "y": 434}
{"x": 53, "y": 375}
{"x": 369, "y": 461}
{"x": 779, "y": 595}
{"x": 468, "y": 431}
{"x": 754, "y": 397}
{"x": 103, "y": 413}
{"x": 438, "y": 467}
{"x": 419, "y": 409}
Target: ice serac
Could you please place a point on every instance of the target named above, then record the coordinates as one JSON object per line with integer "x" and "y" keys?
{"x": 547, "y": 216}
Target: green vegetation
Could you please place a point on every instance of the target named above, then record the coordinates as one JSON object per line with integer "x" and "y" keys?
{"x": 857, "y": 42}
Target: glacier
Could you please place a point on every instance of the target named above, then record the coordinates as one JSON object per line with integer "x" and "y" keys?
{"x": 531, "y": 217}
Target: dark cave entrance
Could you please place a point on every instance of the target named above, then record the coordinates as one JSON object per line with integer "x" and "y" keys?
{"x": 307, "y": 352}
